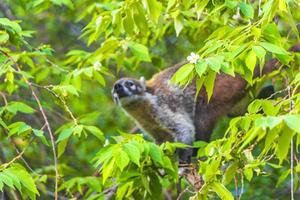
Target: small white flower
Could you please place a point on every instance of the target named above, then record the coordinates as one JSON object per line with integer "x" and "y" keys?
{"x": 97, "y": 66}
{"x": 237, "y": 15}
{"x": 193, "y": 58}
{"x": 98, "y": 20}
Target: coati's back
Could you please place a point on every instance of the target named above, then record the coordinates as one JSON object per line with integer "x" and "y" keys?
{"x": 227, "y": 92}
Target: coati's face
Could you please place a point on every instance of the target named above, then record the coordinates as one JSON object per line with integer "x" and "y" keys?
{"x": 128, "y": 90}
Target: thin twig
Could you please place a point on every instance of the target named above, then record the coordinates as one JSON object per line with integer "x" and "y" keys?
{"x": 182, "y": 193}
{"x": 13, "y": 141}
{"x": 5, "y": 165}
{"x": 236, "y": 186}
{"x": 4, "y": 98}
{"x": 292, "y": 150}
{"x": 48, "y": 88}
{"x": 45, "y": 120}
{"x": 242, "y": 186}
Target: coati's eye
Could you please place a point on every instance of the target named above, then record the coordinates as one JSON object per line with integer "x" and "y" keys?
{"x": 129, "y": 83}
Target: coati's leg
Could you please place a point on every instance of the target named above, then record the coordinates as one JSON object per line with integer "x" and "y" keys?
{"x": 185, "y": 133}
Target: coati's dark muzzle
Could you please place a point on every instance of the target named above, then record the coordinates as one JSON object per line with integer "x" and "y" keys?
{"x": 123, "y": 88}
{"x": 127, "y": 87}
{"x": 120, "y": 90}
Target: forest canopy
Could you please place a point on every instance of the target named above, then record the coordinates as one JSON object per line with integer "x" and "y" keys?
{"x": 63, "y": 137}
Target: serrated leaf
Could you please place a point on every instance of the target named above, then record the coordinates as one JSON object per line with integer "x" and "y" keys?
{"x": 24, "y": 177}
{"x": 107, "y": 169}
{"x": 6, "y": 180}
{"x": 133, "y": 153}
{"x": 122, "y": 159}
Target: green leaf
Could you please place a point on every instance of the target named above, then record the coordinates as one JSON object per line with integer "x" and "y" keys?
{"x": 154, "y": 9}
{"x": 128, "y": 22}
{"x": 6, "y": 180}
{"x": 293, "y": 122}
{"x": 19, "y": 128}
{"x": 221, "y": 191}
{"x": 282, "y": 177}
{"x": 40, "y": 134}
{"x": 209, "y": 83}
{"x": 15, "y": 107}
{"x": 107, "y": 169}
{"x": 229, "y": 173}
{"x": 247, "y": 10}
{"x": 133, "y": 153}
{"x": 122, "y": 159}
{"x": 228, "y": 69}
{"x": 61, "y": 147}
{"x": 11, "y": 24}
{"x": 215, "y": 62}
{"x": 248, "y": 172}
{"x": 283, "y": 146}
{"x": 140, "y": 19}
{"x": 269, "y": 108}
{"x": 259, "y": 52}
{"x": 65, "y": 90}
{"x": 95, "y": 131}
{"x": 77, "y": 130}
{"x": 140, "y": 51}
{"x": 251, "y": 60}
{"x": 178, "y": 24}
{"x": 183, "y": 72}
{"x": 3, "y": 37}
{"x": 66, "y": 133}
{"x": 268, "y": 122}
{"x": 99, "y": 78}
{"x": 273, "y": 48}
{"x": 255, "y": 106}
{"x": 24, "y": 177}
{"x": 156, "y": 153}
{"x": 270, "y": 139}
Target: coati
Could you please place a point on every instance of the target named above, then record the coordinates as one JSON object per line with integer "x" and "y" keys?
{"x": 170, "y": 113}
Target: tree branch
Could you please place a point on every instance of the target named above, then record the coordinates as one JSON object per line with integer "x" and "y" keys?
{"x": 45, "y": 120}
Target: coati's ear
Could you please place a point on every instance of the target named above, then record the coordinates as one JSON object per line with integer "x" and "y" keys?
{"x": 143, "y": 82}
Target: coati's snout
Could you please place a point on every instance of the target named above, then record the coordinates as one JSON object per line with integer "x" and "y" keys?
{"x": 127, "y": 87}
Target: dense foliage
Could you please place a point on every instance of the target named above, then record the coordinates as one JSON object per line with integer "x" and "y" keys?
{"x": 62, "y": 137}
